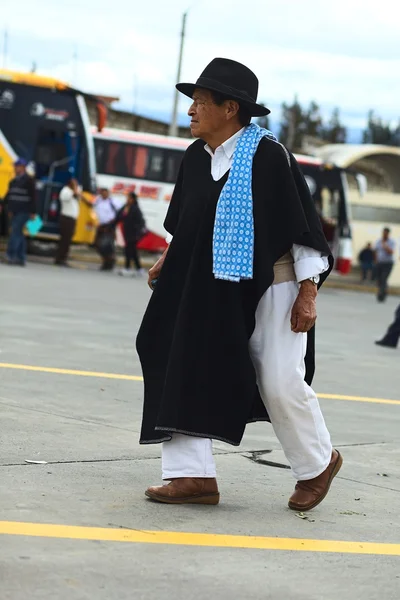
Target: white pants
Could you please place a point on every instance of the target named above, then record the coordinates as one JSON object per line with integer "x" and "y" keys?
{"x": 278, "y": 357}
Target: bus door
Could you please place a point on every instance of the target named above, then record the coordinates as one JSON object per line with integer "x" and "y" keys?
{"x": 56, "y": 158}
{"x": 328, "y": 187}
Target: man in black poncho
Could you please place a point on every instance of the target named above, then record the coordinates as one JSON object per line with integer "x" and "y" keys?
{"x": 228, "y": 335}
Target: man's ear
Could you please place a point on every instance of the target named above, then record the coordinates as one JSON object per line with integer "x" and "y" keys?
{"x": 232, "y": 109}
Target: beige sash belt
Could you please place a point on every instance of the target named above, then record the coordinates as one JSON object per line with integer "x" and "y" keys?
{"x": 284, "y": 270}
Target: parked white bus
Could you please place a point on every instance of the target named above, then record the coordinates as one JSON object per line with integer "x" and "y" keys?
{"x": 148, "y": 164}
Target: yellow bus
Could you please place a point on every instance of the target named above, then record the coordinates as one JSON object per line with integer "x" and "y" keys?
{"x": 46, "y": 122}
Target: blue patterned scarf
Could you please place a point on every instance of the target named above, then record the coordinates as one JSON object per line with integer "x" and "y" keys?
{"x": 233, "y": 242}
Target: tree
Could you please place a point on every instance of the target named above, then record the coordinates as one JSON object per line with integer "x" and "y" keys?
{"x": 313, "y": 121}
{"x": 292, "y": 125}
{"x": 396, "y": 135}
{"x": 263, "y": 121}
{"x": 334, "y": 132}
{"x": 378, "y": 132}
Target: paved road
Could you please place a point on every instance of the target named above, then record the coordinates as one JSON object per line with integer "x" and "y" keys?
{"x": 86, "y": 428}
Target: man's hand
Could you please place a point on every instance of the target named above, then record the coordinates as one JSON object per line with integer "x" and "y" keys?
{"x": 156, "y": 269}
{"x": 304, "y": 311}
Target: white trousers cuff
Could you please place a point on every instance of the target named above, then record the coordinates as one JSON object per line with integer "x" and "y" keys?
{"x": 187, "y": 456}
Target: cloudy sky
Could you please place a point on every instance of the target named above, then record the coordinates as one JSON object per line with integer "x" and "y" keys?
{"x": 344, "y": 53}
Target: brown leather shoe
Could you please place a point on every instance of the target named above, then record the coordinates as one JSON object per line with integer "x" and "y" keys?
{"x": 308, "y": 494}
{"x": 186, "y": 490}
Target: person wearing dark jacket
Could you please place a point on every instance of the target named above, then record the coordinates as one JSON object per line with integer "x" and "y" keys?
{"x": 366, "y": 259}
{"x": 133, "y": 228}
{"x": 21, "y": 206}
{"x": 392, "y": 336}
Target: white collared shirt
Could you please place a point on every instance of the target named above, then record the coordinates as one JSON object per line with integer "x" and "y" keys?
{"x": 221, "y": 159}
{"x": 69, "y": 204}
{"x": 104, "y": 210}
{"x": 307, "y": 261}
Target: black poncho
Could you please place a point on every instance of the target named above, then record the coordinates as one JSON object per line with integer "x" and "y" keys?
{"x": 193, "y": 341}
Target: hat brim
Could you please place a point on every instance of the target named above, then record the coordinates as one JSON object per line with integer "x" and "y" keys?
{"x": 256, "y": 110}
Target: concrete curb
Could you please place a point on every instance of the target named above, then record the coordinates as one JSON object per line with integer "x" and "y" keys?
{"x": 356, "y": 287}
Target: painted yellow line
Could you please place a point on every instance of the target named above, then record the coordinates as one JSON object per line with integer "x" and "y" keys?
{"x": 71, "y": 372}
{"x": 140, "y": 378}
{"x": 195, "y": 539}
{"x": 358, "y": 399}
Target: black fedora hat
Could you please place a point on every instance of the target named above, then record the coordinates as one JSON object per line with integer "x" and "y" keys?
{"x": 232, "y": 79}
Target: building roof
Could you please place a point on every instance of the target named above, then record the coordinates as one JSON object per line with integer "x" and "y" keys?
{"x": 366, "y": 158}
{"x": 344, "y": 155}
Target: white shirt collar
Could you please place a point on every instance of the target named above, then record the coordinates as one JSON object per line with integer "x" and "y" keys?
{"x": 228, "y": 147}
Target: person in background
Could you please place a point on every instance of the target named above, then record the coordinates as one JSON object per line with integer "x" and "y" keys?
{"x": 133, "y": 226}
{"x": 3, "y": 218}
{"x": 392, "y": 336}
{"x": 21, "y": 205}
{"x": 69, "y": 200}
{"x": 384, "y": 262}
{"x": 105, "y": 238}
{"x": 366, "y": 259}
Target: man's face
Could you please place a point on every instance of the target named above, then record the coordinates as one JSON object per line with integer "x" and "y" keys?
{"x": 19, "y": 170}
{"x": 207, "y": 117}
{"x": 386, "y": 234}
{"x": 104, "y": 194}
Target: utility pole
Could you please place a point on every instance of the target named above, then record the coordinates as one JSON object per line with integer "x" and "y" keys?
{"x": 173, "y": 128}
{"x": 5, "y": 48}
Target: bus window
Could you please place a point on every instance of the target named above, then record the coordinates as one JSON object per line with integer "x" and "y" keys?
{"x": 140, "y": 162}
{"x": 114, "y": 159}
{"x": 100, "y": 149}
{"x": 155, "y": 164}
{"x": 129, "y": 153}
{"x": 172, "y": 164}
{"x": 330, "y": 203}
{"x": 50, "y": 148}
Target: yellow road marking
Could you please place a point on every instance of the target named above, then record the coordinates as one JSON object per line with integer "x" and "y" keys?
{"x": 195, "y": 539}
{"x": 71, "y": 372}
{"x": 140, "y": 378}
{"x": 358, "y": 398}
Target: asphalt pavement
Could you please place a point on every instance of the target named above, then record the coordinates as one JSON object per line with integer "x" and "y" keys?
{"x": 74, "y": 522}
